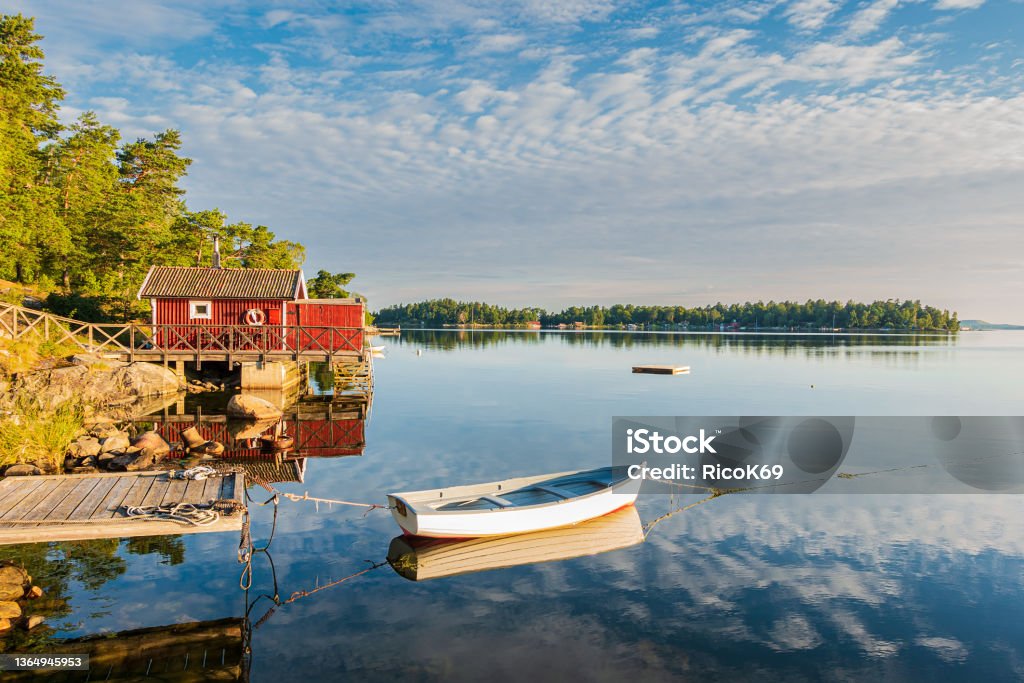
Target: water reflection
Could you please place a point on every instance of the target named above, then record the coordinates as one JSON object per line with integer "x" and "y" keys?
{"x": 801, "y": 588}
{"x": 778, "y": 343}
{"x": 208, "y": 650}
{"x": 418, "y": 559}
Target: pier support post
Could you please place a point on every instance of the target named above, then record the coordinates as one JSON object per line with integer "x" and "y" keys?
{"x": 270, "y": 375}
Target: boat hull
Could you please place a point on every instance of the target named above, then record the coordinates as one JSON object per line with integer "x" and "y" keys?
{"x": 517, "y": 520}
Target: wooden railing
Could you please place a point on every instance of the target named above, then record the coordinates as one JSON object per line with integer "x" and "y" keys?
{"x": 178, "y": 341}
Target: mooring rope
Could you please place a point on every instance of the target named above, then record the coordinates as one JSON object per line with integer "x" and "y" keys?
{"x": 331, "y": 501}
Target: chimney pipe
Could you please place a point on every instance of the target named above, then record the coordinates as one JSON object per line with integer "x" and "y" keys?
{"x": 216, "y": 251}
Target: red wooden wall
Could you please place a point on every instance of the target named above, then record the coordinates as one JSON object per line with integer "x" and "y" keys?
{"x": 329, "y": 326}
{"x": 319, "y": 314}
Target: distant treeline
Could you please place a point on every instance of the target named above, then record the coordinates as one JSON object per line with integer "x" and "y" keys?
{"x": 892, "y": 314}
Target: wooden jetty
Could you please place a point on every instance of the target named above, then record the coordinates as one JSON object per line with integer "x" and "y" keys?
{"x": 83, "y": 506}
{"x": 661, "y": 369}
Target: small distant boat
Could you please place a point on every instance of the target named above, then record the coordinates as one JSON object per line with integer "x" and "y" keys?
{"x": 514, "y": 506}
{"x": 377, "y": 349}
{"x": 418, "y": 559}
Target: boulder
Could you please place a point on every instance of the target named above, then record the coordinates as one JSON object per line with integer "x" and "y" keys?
{"x": 106, "y": 385}
{"x": 252, "y": 407}
{"x": 11, "y": 573}
{"x": 115, "y": 442}
{"x": 11, "y": 591}
{"x": 131, "y": 462}
{"x": 88, "y": 445}
{"x": 33, "y": 621}
{"x": 104, "y": 459}
{"x": 153, "y": 443}
{"x": 6, "y": 625}
{"x": 22, "y": 470}
{"x": 141, "y": 461}
{"x": 9, "y": 610}
{"x": 34, "y": 592}
{"x": 102, "y": 431}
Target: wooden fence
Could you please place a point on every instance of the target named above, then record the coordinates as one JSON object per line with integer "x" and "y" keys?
{"x": 133, "y": 341}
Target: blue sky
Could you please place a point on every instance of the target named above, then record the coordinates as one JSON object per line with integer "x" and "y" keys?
{"x": 590, "y": 151}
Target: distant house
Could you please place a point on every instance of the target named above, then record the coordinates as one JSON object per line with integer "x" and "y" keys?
{"x": 533, "y": 325}
{"x": 265, "y": 307}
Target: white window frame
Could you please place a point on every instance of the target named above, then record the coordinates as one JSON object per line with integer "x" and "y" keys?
{"x": 194, "y": 315}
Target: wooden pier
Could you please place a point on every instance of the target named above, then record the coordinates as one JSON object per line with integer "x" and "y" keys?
{"x": 661, "y": 369}
{"x": 77, "y": 507}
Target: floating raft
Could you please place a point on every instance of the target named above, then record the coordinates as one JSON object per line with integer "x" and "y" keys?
{"x": 661, "y": 369}
{"x": 75, "y": 507}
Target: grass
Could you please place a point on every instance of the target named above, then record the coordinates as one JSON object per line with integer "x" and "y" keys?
{"x": 34, "y": 435}
{"x": 31, "y": 352}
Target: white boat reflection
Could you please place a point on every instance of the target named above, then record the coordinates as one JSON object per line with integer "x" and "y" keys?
{"x": 418, "y": 559}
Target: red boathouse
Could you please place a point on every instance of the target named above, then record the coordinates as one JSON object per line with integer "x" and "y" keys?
{"x": 248, "y": 309}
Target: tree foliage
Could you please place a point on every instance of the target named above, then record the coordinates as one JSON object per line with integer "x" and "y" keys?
{"x": 329, "y": 285}
{"x": 789, "y": 315}
{"x": 88, "y": 214}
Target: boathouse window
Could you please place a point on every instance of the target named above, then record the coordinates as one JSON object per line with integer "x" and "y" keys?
{"x": 200, "y": 309}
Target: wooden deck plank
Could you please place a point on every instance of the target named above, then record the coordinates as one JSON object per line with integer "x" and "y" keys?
{"x": 174, "y": 492}
{"x": 227, "y": 488}
{"x": 135, "y": 494}
{"x": 112, "y": 501}
{"x": 74, "y": 498}
{"x": 19, "y": 492}
{"x": 211, "y": 491}
{"x": 156, "y": 491}
{"x": 52, "y": 500}
{"x": 239, "y": 482}
{"x": 194, "y": 492}
{"x": 92, "y": 502}
{"x": 9, "y": 488}
{"x": 37, "y": 496}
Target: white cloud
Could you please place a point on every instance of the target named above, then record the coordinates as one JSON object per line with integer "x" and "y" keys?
{"x": 959, "y": 4}
{"x": 498, "y": 42}
{"x": 871, "y": 17}
{"x": 643, "y": 32}
{"x": 811, "y": 15}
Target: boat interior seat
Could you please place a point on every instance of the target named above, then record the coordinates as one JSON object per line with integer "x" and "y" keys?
{"x": 499, "y": 501}
{"x": 556, "y": 490}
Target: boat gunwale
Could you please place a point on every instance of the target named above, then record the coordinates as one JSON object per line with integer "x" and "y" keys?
{"x": 487, "y": 487}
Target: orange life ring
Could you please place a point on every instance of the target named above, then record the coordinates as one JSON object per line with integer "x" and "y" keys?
{"x": 255, "y": 316}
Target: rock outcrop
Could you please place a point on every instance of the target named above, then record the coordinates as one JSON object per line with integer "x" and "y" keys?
{"x": 104, "y": 386}
{"x": 252, "y": 408}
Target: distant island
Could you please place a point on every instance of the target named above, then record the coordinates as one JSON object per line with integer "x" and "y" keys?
{"x": 819, "y": 314}
{"x": 985, "y": 325}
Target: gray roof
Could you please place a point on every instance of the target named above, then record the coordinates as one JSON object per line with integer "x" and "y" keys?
{"x": 221, "y": 283}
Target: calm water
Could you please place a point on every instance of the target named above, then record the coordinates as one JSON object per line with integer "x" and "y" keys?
{"x": 811, "y": 587}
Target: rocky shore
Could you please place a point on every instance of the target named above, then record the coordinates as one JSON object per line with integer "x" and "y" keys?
{"x": 105, "y": 388}
{"x": 16, "y": 595}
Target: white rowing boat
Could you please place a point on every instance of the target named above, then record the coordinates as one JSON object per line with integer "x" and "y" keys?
{"x": 514, "y": 506}
{"x": 418, "y": 559}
